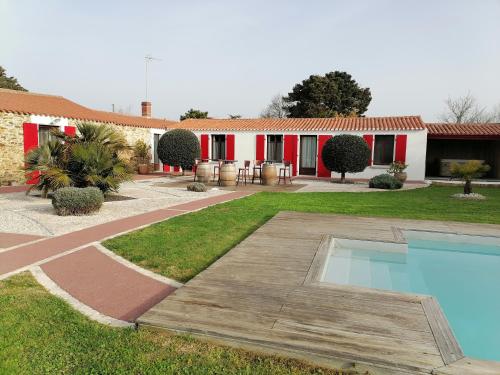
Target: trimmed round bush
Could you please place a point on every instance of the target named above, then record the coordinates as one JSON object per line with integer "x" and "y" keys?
{"x": 346, "y": 153}
{"x": 179, "y": 147}
{"x": 197, "y": 186}
{"x": 385, "y": 181}
{"x": 77, "y": 201}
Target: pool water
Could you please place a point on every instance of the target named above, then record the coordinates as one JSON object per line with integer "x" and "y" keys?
{"x": 462, "y": 272}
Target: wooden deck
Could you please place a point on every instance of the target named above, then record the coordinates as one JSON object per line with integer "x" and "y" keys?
{"x": 265, "y": 295}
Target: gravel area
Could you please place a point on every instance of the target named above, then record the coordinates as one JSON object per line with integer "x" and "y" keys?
{"x": 31, "y": 214}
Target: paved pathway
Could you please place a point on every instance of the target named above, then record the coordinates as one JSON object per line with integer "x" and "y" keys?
{"x": 92, "y": 277}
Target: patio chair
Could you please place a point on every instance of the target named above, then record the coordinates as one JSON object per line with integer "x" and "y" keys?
{"x": 257, "y": 168}
{"x": 283, "y": 172}
{"x": 217, "y": 168}
{"x": 193, "y": 169}
{"x": 244, "y": 172}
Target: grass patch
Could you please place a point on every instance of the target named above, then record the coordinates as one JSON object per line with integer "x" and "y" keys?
{"x": 41, "y": 334}
{"x": 183, "y": 246}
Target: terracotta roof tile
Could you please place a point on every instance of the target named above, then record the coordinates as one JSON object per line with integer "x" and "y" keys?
{"x": 51, "y": 105}
{"x": 466, "y": 130}
{"x": 306, "y": 124}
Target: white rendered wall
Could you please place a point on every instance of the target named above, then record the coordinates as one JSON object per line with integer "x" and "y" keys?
{"x": 245, "y": 147}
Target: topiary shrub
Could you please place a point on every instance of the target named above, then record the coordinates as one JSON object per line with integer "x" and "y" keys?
{"x": 197, "y": 186}
{"x": 179, "y": 147}
{"x": 77, "y": 201}
{"x": 346, "y": 153}
{"x": 385, "y": 181}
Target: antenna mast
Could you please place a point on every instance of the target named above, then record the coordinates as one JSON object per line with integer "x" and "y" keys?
{"x": 148, "y": 58}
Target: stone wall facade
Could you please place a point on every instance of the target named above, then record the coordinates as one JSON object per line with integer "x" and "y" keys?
{"x": 11, "y": 147}
{"x": 12, "y": 144}
{"x": 131, "y": 134}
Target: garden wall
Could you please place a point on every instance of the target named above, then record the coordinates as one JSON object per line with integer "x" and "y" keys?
{"x": 11, "y": 147}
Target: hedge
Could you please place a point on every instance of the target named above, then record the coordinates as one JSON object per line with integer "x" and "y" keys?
{"x": 385, "y": 181}
{"x": 77, "y": 201}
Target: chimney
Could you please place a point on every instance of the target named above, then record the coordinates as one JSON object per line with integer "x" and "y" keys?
{"x": 146, "y": 109}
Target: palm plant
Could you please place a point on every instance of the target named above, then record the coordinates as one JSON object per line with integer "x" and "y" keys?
{"x": 469, "y": 171}
{"x": 92, "y": 158}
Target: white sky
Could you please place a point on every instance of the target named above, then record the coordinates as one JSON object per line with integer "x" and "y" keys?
{"x": 234, "y": 56}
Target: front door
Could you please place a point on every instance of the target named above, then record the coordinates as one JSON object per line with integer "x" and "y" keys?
{"x": 307, "y": 165}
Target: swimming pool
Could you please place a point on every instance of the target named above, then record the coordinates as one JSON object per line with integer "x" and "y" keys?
{"x": 462, "y": 272}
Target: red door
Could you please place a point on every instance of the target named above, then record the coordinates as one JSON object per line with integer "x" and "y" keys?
{"x": 322, "y": 171}
{"x": 290, "y": 151}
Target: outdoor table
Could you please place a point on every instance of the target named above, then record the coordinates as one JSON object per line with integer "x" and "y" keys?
{"x": 269, "y": 173}
{"x": 203, "y": 172}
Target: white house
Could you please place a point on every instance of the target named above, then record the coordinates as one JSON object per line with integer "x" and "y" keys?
{"x": 301, "y": 140}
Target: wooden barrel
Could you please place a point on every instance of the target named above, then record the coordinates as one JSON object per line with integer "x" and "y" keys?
{"x": 203, "y": 172}
{"x": 228, "y": 175}
{"x": 269, "y": 174}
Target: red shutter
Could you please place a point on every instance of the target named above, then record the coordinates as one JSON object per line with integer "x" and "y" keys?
{"x": 166, "y": 168}
{"x": 230, "y": 146}
{"x": 70, "y": 130}
{"x": 259, "y": 146}
{"x": 204, "y": 146}
{"x": 30, "y": 136}
{"x": 400, "y": 148}
{"x": 369, "y": 140}
{"x": 30, "y": 133}
{"x": 290, "y": 151}
{"x": 322, "y": 170}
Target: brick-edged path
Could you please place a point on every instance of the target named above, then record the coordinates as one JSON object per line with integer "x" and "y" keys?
{"x": 92, "y": 277}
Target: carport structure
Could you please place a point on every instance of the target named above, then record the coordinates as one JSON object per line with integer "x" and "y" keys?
{"x": 448, "y": 142}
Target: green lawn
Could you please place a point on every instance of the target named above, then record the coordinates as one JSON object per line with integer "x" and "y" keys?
{"x": 41, "y": 334}
{"x": 184, "y": 246}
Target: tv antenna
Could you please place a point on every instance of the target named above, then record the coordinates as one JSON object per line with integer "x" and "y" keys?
{"x": 148, "y": 58}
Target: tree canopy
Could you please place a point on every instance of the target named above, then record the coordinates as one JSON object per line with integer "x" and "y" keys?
{"x": 278, "y": 108}
{"x": 466, "y": 110}
{"x": 179, "y": 147}
{"x": 194, "y": 113}
{"x": 331, "y": 95}
{"x": 9, "y": 82}
{"x": 346, "y": 153}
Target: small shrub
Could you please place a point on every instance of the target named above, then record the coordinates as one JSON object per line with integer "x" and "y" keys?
{"x": 385, "y": 181}
{"x": 197, "y": 186}
{"x": 77, "y": 201}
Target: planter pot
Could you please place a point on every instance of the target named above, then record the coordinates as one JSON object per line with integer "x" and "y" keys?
{"x": 143, "y": 169}
{"x": 401, "y": 176}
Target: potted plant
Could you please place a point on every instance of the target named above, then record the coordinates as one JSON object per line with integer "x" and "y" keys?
{"x": 397, "y": 170}
{"x": 142, "y": 154}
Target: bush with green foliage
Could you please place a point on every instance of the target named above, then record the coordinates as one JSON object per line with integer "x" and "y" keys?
{"x": 197, "y": 186}
{"x": 91, "y": 158}
{"x": 385, "y": 181}
{"x": 469, "y": 171}
{"x": 77, "y": 201}
{"x": 142, "y": 152}
{"x": 179, "y": 147}
{"x": 346, "y": 154}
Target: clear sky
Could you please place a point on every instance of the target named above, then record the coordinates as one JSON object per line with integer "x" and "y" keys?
{"x": 234, "y": 56}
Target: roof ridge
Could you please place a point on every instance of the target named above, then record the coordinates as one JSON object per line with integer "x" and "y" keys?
{"x": 20, "y": 92}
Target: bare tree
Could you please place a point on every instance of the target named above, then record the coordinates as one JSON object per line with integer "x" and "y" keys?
{"x": 233, "y": 117}
{"x": 465, "y": 109}
{"x": 278, "y": 108}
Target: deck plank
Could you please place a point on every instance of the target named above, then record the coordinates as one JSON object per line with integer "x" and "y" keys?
{"x": 265, "y": 292}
